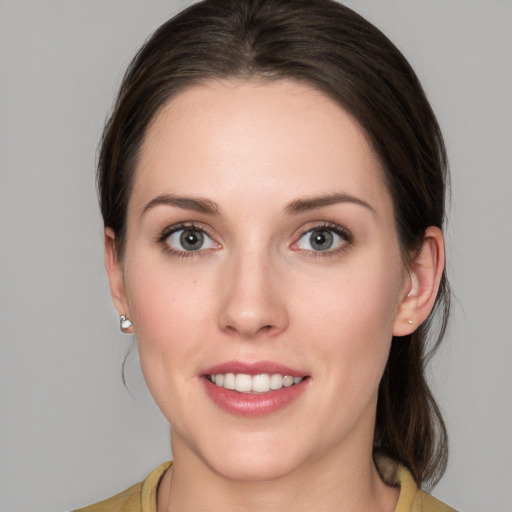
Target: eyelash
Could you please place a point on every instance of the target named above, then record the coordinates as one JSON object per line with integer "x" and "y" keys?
{"x": 324, "y": 226}
{"x": 168, "y": 231}
{"x": 327, "y": 226}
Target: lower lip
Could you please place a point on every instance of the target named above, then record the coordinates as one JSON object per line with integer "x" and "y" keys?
{"x": 253, "y": 404}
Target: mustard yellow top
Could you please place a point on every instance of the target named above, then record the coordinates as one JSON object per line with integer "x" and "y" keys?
{"x": 142, "y": 496}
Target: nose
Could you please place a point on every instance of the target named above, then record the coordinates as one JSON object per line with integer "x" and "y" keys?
{"x": 252, "y": 297}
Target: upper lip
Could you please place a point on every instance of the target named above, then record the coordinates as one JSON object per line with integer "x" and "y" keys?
{"x": 253, "y": 368}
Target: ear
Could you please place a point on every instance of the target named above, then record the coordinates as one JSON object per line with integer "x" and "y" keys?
{"x": 425, "y": 271}
{"x": 115, "y": 276}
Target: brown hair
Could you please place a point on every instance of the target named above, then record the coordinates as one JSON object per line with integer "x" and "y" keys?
{"x": 332, "y": 48}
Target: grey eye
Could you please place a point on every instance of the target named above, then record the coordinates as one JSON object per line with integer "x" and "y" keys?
{"x": 320, "y": 240}
{"x": 189, "y": 240}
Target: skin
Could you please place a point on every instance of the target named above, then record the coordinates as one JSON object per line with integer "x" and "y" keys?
{"x": 258, "y": 291}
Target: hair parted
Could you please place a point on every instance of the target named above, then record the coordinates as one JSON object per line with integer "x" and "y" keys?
{"x": 330, "y": 47}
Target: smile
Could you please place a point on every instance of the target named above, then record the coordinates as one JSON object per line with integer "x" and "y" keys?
{"x": 261, "y": 383}
{"x": 254, "y": 388}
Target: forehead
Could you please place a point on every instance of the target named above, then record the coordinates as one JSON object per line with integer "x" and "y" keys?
{"x": 233, "y": 139}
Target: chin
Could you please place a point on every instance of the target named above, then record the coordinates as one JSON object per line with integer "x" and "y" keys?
{"x": 254, "y": 460}
{"x": 262, "y": 468}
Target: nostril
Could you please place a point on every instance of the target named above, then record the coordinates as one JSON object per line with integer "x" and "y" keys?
{"x": 249, "y": 309}
{"x": 250, "y": 330}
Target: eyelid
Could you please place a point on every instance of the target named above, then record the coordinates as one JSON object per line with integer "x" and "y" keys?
{"x": 340, "y": 231}
{"x": 169, "y": 230}
{"x": 183, "y": 226}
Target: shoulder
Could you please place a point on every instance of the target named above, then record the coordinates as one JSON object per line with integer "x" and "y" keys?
{"x": 412, "y": 499}
{"x": 128, "y": 501}
{"x": 140, "y": 497}
{"x": 424, "y": 502}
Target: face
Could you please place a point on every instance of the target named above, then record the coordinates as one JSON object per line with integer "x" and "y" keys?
{"x": 261, "y": 253}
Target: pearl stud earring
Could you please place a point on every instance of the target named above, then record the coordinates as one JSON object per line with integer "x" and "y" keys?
{"x": 124, "y": 324}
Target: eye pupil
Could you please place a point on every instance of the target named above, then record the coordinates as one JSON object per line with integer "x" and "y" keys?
{"x": 191, "y": 240}
{"x": 321, "y": 240}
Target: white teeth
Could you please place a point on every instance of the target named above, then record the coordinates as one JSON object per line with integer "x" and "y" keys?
{"x": 261, "y": 383}
{"x": 287, "y": 381}
{"x": 229, "y": 381}
{"x": 276, "y": 381}
{"x": 243, "y": 383}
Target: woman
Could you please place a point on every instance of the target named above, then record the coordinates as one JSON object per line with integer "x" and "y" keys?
{"x": 272, "y": 186}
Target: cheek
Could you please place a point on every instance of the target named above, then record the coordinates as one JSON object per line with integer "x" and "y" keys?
{"x": 353, "y": 331}
{"x": 164, "y": 301}
{"x": 355, "y": 299}
{"x": 351, "y": 315}
{"x": 169, "y": 314}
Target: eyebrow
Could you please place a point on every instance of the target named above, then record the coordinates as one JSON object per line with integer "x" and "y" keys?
{"x": 209, "y": 207}
{"x": 314, "y": 203}
{"x": 196, "y": 204}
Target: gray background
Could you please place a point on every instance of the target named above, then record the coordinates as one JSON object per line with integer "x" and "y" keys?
{"x": 70, "y": 433}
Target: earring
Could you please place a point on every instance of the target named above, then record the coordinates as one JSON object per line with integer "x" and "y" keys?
{"x": 124, "y": 324}
{"x": 411, "y": 322}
